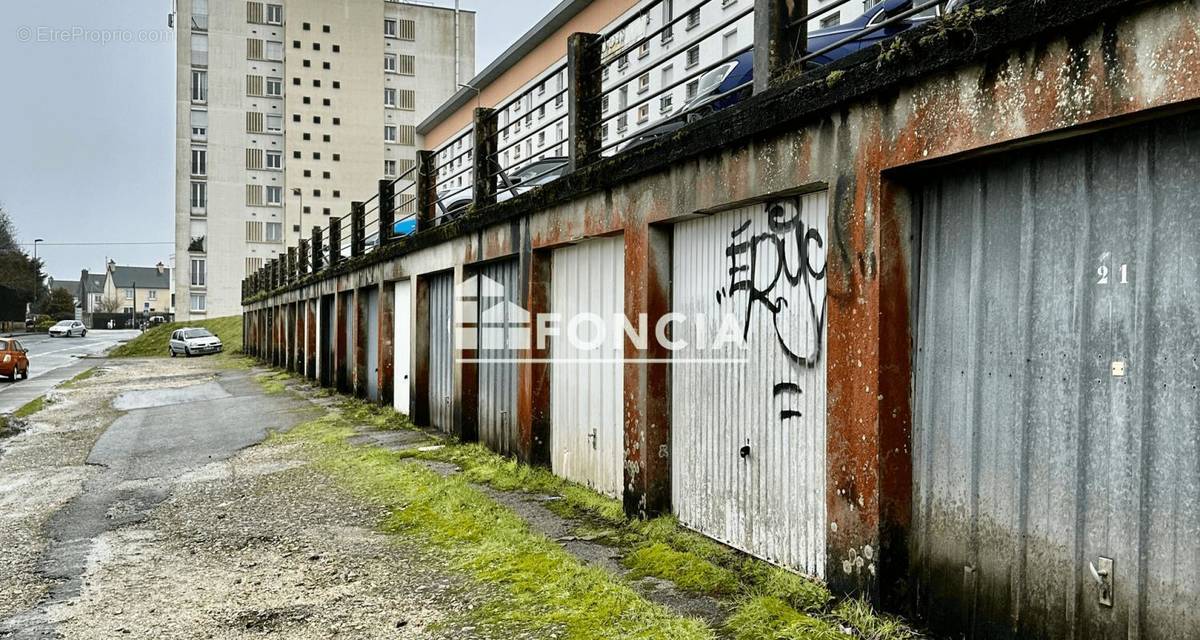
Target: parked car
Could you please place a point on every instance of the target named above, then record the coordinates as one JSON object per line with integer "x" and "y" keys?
{"x": 193, "y": 342}
{"x": 822, "y": 38}
{"x": 14, "y": 359}
{"x": 68, "y": 328}
{"x": 529, "y": 177}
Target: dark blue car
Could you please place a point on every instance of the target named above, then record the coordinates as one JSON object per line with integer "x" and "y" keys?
{"x": 880, "y": 13}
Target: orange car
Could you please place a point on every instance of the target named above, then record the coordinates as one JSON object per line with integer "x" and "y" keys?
{"x": 13, "y": 359}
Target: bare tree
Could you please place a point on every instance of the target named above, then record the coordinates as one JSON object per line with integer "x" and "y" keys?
{"x": 109, "y": 304}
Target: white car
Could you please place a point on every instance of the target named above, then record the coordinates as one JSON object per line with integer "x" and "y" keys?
{"x": 68, "y": 328}
{"x": 193, "y": 342}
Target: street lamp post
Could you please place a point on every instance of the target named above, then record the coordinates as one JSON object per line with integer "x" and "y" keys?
{"x": 37, "y": 279}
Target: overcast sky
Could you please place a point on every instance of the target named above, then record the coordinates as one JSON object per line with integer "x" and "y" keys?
{"x": 87, "y": 127}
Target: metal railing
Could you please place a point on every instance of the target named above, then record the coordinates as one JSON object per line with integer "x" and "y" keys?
{"x": 441, "y": 185}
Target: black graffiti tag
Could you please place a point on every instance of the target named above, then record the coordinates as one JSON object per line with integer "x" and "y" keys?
{"x": 749, "y": 271}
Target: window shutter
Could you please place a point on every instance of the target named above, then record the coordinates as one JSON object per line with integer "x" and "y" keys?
{"x": 406, "y": 100}
{"x": 254, "y": 195}
{"x": 254, "y": 13}
{"x": 254, "y": 122}
{"x": 254, "y": 49}
{"x": 407, "y": 30}
{"x": 254, "y": 85}
{"x": 406, "y": 65}
{"x": 254, "y": 158}
{"x": 254, "y": 232}
{"x": 406, "y": 134}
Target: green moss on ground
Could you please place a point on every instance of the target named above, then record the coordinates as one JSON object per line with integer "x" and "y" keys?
{"x": 31, "y": 407}
{"x": 761, "y": 617}
{"x": 546, "y": 589}
{"x": 153, "y": 342}
{"x": 83, "y": 375}
{"x": 687, "y": 570}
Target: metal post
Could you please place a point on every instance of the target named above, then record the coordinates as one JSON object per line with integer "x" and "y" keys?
{"x": 335, "y": 241}
{"x": 485, "y": 148}
{"x": 387, "y": 211}
{"x": 357, "y": 228}
{"x": 318, "y": 251}
{"x": 426, "y": 189}
{"x": 584, "y": 91}
{"x": 776, "y": 42}
{"x": 291, "y": 265}
{"x": 302, "y": 257}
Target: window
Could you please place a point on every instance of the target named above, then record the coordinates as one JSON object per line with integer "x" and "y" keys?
{"x": 199, "y": 196}
{"x": 199, "y": 125}
{"x": 389, "y": 97}
{"x": 668, "y": 14}
{"x": 643, "y": 83}
{"x": 693, "y": 19}
{"x": 337, "y": 48}
{"x": 274, "y": 159}
{"x": 622, "y": 122}
{"x": 643, "y": 113}
{"x": 199, "y": 86}
{"x": 623, "y": 62}
{"x": 275, "y": 87}
{"x": 129, "y": 294}
{"x": 274, "y": 123}
{"x": 389, "y": 133}
{"x": 198, "y": 302}
{"x": 389, "y": 62}
{"x": 558, "y": 131}
{"x": 316, "y": 46}
{"x": 389, "y": 167}
{"x": 541, "y": 138}
{"x": 643, "y": 50}
{"x": 693, "y": 56}
{"x": 274, "y": 14}
{"x": 152, "y": 294}
{"x": 295, "y": 44}
{"x": 199, "y": 162}
{"x": 274, "y": 51}
{"x": 200, "y": 49}
{"x": 337, "y": 121}
{"x": 665, "y": 103}
{"x": 325, "y": 29}
{"x": 729, "y": 43}
{"x": 389, "y": 28}
{"x": 327, "y": 138}
{"x": 604, "y": 104}
{"x": 198, "y": 272}
{"x": 274, "y": 231}
{"x": 692, "y": 87}
{"x": 337, "y": 84}
{"x": 274, "y": 196}
{"x": 832, "y": 20}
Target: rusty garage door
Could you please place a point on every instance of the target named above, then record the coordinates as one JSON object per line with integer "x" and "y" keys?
{"x": 748, "y": 390}
{"x": 1056, "y": 437}
{"x": 441, "y": 351}
{"x": 587, "y": 284}
{"x": 499, "y": 323}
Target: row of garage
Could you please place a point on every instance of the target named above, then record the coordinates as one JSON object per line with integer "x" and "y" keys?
{"x": 1055, "y": 439}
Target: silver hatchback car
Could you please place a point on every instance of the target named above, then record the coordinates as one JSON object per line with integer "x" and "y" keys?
{"x": 193, "y": 342}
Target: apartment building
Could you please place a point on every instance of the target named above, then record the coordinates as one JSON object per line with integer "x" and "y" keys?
{"x": 654, "y": 54}
{"x": 286, "y": 112}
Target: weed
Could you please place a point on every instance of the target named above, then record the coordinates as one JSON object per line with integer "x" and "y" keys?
{"x": 84, "y": 375}
{"x": 687, "y": 570}
{"x": 871, "y": 625}
{"x": 759, "y": 617}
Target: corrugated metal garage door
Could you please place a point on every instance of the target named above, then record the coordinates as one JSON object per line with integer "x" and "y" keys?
{"x": 499, "y": 313}
{"x": 370, "y": 299}
{"x": 441, "y": 351}
{"x": 756, "y": 275}
{"x": 1055, "y": 402}
{"x": 586, "y": 435}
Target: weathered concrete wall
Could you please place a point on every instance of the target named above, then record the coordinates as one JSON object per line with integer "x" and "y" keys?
{"x": 986, "y": 80}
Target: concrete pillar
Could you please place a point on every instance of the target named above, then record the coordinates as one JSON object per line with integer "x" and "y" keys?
{"x": 647, "y": 393}
{"x": 387, "y": 347}
{"x": 420, "y": 362}
{"x": 426, "y": 189}
{"x": 486, "y": 164}
{"x": 335, "y": 241}
{"x": 466, "y": 374}
{"x": 776, "y": 42}
{"x": 533, "y": 378}
{"x": 318, "y": 258}
{"x": 358, "y": 236}
{"x": 360, "y": 343}
{"x": 344, "y": 305}
{"x": 310, "y": 324}
{"x": 583, "y": 93}
{"x": 387, "y": 210}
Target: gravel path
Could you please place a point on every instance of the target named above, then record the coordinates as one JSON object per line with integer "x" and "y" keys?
{"x": 259, "y": 544}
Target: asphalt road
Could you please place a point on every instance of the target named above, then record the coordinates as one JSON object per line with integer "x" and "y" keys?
{"x": 53, "y": 360}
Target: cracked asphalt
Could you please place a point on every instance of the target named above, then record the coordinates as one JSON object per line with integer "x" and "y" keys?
{"x": 135, "y": 505}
